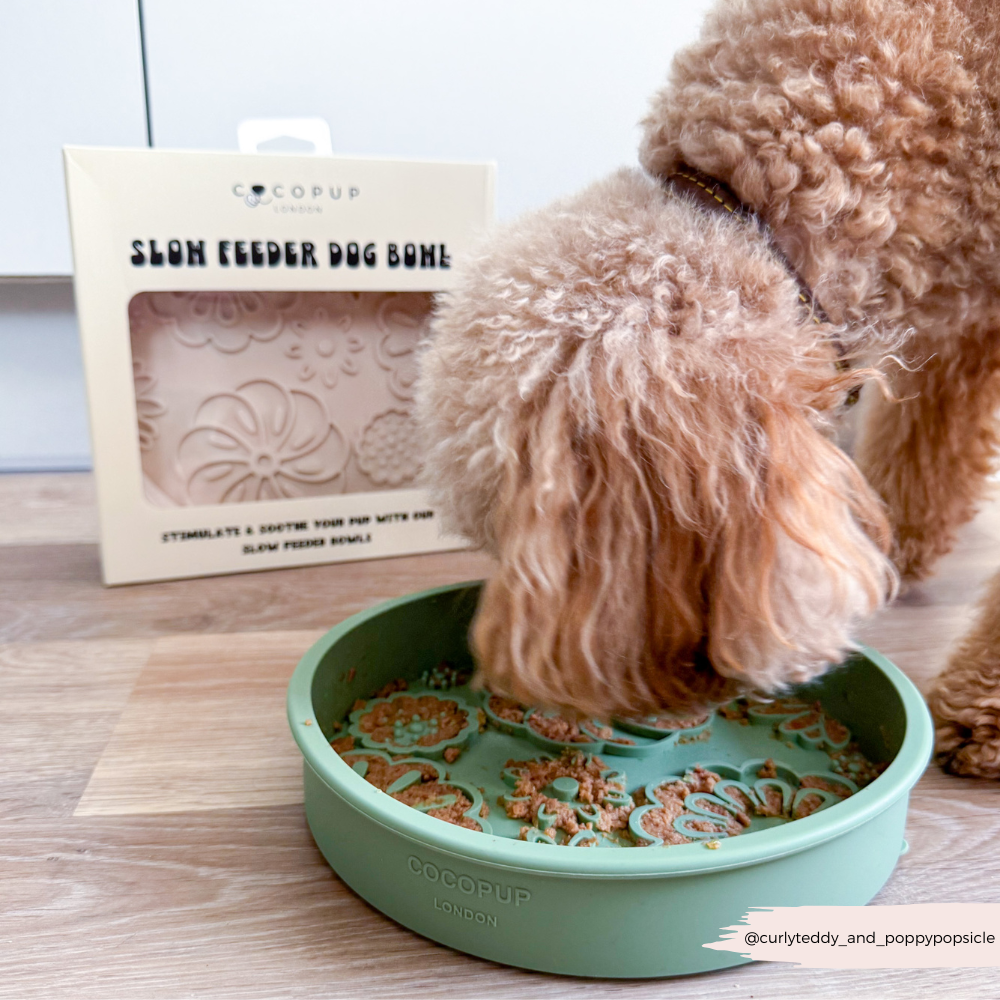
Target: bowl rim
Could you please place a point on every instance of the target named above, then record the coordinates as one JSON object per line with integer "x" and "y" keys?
{"x": 513, "y": 855}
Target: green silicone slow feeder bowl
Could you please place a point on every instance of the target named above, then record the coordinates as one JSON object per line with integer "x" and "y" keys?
{"x": 587, "y": 911}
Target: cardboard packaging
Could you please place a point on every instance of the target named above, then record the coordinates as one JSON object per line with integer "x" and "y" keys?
{"x": 250, "y": 328}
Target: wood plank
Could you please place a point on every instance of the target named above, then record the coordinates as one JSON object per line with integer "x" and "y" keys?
{"x": 46, "y": 508}
{"x": 239, "y": 904}
{"x": 917, "y": 639}
{"x": 204, "y": 728}
{"x": 59, "y": 704}
{"x": 54, "y": 592}
{"x": 224, "y": 900}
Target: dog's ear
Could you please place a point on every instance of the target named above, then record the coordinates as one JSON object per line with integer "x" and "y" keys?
{"x": 662, "y": 551}
{"x": 801, "y": 563}
{"x": 592, "y": 561}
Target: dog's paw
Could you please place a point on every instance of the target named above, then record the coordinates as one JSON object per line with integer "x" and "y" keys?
{"x": 965, "y": 703}
{"x": 969, "y": 752}
{"x": 915, "y": 553}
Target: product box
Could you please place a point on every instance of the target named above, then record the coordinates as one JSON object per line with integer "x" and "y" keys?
{"x": 250, "y": 328}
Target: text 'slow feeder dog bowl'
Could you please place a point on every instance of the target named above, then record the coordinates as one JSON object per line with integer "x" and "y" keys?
{"x": 587, "y": 911}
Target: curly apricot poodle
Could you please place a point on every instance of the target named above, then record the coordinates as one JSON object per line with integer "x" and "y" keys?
{"x": 631, "y": 399}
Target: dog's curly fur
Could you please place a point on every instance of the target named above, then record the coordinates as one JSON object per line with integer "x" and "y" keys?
{"x": 626, "y": 403}
{"x": 866, "y": 133}
{"x": 966, "y": 697}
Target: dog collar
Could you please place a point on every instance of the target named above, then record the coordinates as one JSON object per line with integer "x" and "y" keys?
{"x": 716, "y": 196}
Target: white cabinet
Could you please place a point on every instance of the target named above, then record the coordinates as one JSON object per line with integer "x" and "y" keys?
{"x": 550, "y": 90}
{"x": 43, "y": 420}
{"x": 70, "y": 72}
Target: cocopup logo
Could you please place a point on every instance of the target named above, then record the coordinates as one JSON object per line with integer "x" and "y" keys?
{"x": 256, "y": 195}
{"x": 292, "y": 197}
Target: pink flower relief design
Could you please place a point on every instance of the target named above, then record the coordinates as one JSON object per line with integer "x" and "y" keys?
{"x": 388, "y": 451}
{"x": 228, "y": 321}
{"x": 261, "y": 442}
{"x": 324, "y": 345}
{"x": 402, "y": 321}
{"x": 147, "y": 408}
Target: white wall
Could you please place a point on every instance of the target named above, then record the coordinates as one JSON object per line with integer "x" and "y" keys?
{"x": 69, "y": 72}
{"x": 550, "y": 89}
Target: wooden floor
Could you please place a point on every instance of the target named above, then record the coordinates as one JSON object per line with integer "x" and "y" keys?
{"x": 152, "y": 842}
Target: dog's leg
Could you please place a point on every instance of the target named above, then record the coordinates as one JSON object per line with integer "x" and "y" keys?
{"x": 928, "y": 454}
{"x": 965, "y": 699}
{"x": 928, "y": 451}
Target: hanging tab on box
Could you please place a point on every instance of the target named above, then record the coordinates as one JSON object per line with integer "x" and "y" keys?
{"x": 300, "y": 136}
